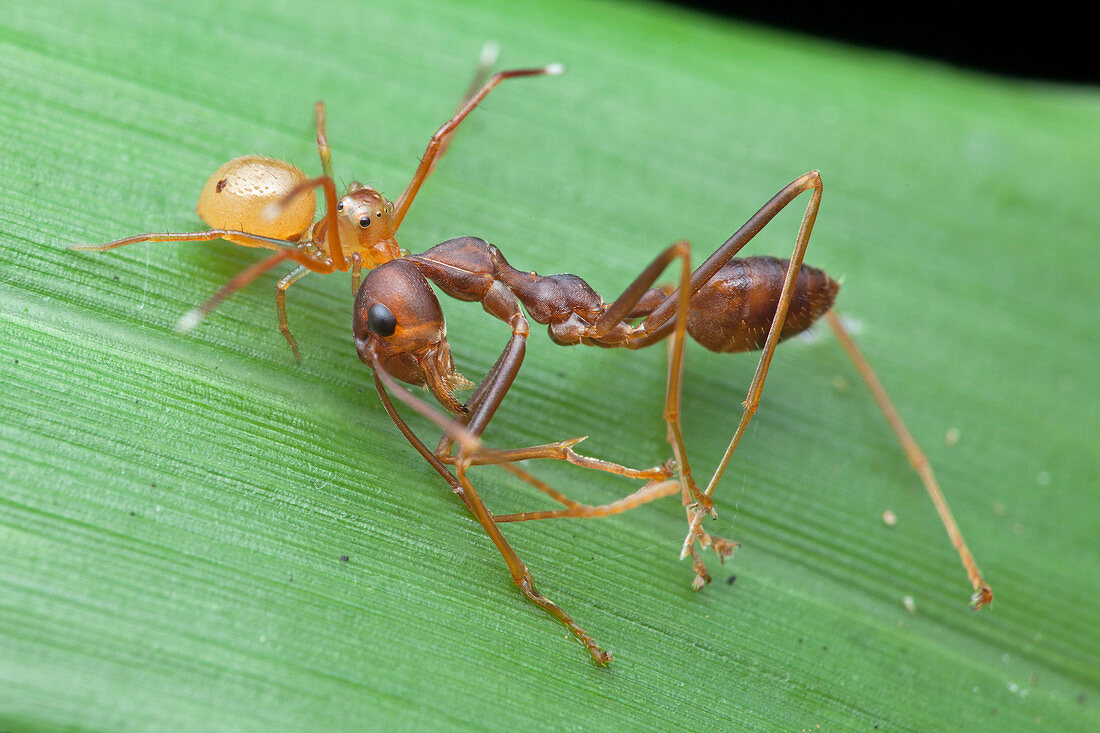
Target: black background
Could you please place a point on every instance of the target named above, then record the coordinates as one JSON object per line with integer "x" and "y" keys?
{"x": 1031, "y": 41}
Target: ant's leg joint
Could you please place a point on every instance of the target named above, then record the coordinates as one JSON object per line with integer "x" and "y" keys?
{"x": 520, "y": 327}
{"x": 919, "y": 462}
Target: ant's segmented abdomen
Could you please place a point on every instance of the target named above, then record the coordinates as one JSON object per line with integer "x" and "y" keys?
{"x": 734, "y": 310}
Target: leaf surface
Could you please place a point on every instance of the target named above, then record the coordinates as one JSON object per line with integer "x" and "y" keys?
{"x": 173, "y": 510}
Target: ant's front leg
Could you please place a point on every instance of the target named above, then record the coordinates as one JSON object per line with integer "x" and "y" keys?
{"x": 561, "y": 451}
{"x": 465, "y": 490}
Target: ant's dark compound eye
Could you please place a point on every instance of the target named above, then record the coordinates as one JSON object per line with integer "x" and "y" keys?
{"x": 340, "y": 206}
{"x": 381, "y": 320}
{"x": 364, "y": 221}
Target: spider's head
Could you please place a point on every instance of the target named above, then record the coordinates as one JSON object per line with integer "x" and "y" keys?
{"x": 365, "y": 218}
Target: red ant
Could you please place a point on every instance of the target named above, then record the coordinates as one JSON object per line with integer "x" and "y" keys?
{"x": 269, "y": 204}
{"x": 726, "y": 304}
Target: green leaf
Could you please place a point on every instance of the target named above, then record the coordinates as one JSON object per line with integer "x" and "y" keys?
{"x": 174, "y": 509}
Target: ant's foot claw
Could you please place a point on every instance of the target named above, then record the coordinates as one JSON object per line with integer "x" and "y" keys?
{"x": 600, "y": 657}
{"x": 702, "y": 577}
{"x": 705, "y": 505}
{"x": 981, "y": 597}
{"x": 703, "y": 509}
{"x": 723, "y": 548}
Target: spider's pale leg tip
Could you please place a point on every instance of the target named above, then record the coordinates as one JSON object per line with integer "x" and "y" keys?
{"x": 555, "y": 69}
{"x": 489, "y": 53}
{"x": 188, "y": 321}
{"x": 469, "y": 442}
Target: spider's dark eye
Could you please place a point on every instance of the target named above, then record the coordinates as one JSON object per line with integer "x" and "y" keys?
{"x": 364, "y": 221}
{"x": 381, "y": 320}
{"x": 340, "y": 206}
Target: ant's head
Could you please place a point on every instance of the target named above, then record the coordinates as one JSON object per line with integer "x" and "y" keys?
{"x": 366, "y": 219}
{"x": 399, "y": 326}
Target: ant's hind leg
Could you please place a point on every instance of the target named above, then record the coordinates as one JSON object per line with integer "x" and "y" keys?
{"x": 461, "y": 485}
{"x": 983, "y": 594}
